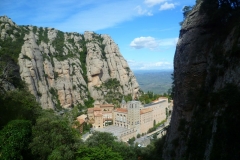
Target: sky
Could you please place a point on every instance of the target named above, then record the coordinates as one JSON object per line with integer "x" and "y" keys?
{"x": 146, "y": 31}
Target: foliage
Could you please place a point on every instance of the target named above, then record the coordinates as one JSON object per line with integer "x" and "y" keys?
{"x": 14, "y": 140}
{"x": 53, "y": 138}
{"x": 18, "y": 104}
{"x": 83, "y": 56}
{"x": 9, "y": 74}
{"x": 154, "y": 128}
{"x": 150, "y": 96}
{"x": 43, "y": 35}
{"x": 131, "y": 140}
{"x": 89, "y": 102}
{"x": 101, "y": 152}
{"x": 111, "y": 90}
{"x": 55, "y": 98}
{"x": 13, "y": 48}
{"x": 186, "y": 10}
{"x": 107, "y": 139}
{"x": 138, "y": 135}
{"x": 103, "y": 138}
{"x": 153, "y": 150}
{"x": 128, "y": 97}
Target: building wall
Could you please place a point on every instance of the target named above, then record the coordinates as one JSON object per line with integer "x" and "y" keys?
{"x": 107, "y": 117}
{"x": 120, "y": 119}
{"x": 130, "y": 133}
{"x": 98, "y": 122}
{"x": 146, "y": 122}
{"x": 159, "y": 110}
{"x": 107, "y": 108}
{"x": 134, "y": 115}
{"x": 131, "y": 117}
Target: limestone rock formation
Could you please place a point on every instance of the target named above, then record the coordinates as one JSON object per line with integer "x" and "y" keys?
{"x": 66, "y": 69}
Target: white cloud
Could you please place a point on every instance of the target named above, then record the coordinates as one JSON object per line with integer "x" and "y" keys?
{"x": 159, "y": 65}
{"x": 144, "y": 42}
{"x": 152, "y": 43}
{"x": 151, "y": 3}
{"x": 166, "y": 6}
{"x": 141, "y": 11}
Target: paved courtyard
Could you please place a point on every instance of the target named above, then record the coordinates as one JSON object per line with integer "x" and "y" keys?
{"x": 115, "y": 130}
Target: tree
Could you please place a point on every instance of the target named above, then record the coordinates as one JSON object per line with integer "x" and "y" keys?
{"x": 138, "y": 135}
{"x": 186, "y": 10}
{"x": 9, "y": 74}
{"x": 18, "y": 104}
{"x": 101, "y": 152}
{"x": 107, "y": 139}
{"x": 14, "y": 140}
{"x": 131, "y": 140}
{"x": 101, "y": 138}
{"x": 53, "y": 138}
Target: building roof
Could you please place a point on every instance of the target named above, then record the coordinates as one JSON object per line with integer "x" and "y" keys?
{"x": 124, "y": 110}
{"x": 83, "y": 116}
{"x": 146, "y": 110}
{"x": 106, "y": 105}
{"x": 97, "y": 114}
{"x": 159, "y": 99}
{"x": 81, "y": 121}
{"x": 96, "y": 109}
{"x": 107, "y": 111}
{"x": 90, "y": 110}
{"x": 155, "y": 101}
{"x": 150, "y": 104}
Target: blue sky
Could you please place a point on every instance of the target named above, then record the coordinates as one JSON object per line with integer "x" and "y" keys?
{"x": 146, "y": 31}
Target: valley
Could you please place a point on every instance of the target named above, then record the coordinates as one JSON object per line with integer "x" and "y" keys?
{"x": 156, "y": 81}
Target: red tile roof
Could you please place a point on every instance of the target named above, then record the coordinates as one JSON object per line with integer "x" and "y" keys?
{"x": 146, "y": 110}
{"x": 106, "y": 105}
{"x": 96, "y": 109}
{"x": 124, "y": 110}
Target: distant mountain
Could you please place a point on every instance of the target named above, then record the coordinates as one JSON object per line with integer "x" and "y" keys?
{"x": 157, "y": 81}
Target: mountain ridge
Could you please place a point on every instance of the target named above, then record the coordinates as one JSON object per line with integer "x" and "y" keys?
{"x": 66, "y": 69}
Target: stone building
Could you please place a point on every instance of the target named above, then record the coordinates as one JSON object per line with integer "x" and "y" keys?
{"x": 99, "y": 115}
{"x": 146, "y": 115}
{"x": 133, "y": 117}
{"x": 81, "y": 120}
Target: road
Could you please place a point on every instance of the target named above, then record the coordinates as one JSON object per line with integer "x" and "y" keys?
{"x": 145, "y": 140}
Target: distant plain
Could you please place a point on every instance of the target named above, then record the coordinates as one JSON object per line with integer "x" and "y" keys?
{"x": 156, "y": 81}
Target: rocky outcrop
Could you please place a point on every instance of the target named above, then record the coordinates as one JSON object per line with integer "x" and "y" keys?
{"x": 66, "y": 69}
{"x": 206, "y": 71}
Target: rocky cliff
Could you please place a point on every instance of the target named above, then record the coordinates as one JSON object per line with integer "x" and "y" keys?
{"x": 67, "y": 69}
{"x": 206, "y": 87}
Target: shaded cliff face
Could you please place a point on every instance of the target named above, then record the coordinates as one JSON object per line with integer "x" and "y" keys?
{"x": 67, "y": 69}
{"x": 206, "y": 91}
